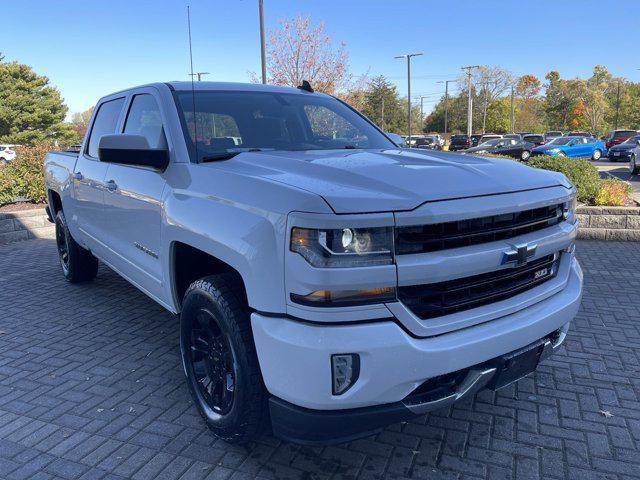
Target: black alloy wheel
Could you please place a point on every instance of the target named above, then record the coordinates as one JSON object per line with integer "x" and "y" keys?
{"x": 213, "y": 364}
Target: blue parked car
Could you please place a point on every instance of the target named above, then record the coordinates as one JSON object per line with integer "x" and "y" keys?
{"x": 572, "y": 147}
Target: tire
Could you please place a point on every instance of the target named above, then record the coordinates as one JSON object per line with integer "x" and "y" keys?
{"x": 218, "y": 352}
{"x": 525, "y": 155}
{"x": 596, "y": 155}
{"x": 78, "y": 264}
{"x": 634, "y": 168}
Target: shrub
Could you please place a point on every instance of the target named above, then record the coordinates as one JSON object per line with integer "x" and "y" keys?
{"x": 614, "y": 192}
{"x": 579, "y": 171}
{"x": 24, "y": 177}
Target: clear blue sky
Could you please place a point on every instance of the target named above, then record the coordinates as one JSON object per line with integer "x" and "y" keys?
{"x": 90, "y": 48}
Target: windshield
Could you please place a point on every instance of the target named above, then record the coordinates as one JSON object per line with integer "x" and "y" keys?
{"x": 632, "y": 139}
{"x": 232, "y": 122}
{"x": 560, "y": 141}
{"x": 624, "y": 133}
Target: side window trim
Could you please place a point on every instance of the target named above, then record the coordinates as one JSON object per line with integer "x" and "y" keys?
{"x": 85, "y": 150}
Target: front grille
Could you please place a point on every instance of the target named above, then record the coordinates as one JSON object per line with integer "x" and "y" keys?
{"x": 462, "y": 233}
{"x": 437, "y": 299}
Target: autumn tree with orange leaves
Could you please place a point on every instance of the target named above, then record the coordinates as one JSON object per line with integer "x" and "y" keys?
{"x": 299, "y": 50}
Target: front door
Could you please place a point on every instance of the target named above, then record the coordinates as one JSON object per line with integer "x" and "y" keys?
{"x": 87, "y": 221}
{"x": 133, "y": 203}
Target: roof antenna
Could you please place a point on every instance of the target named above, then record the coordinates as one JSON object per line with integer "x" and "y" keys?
{"x": 193, "y": 88}
{"x": 306, "y": 86}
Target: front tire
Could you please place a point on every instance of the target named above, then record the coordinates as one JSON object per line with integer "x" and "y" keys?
{"x": 596, "y": 155}
{"x": 78, "y": 264}
{"x": 219, "y": 358}
{"x": 634, "y": 168}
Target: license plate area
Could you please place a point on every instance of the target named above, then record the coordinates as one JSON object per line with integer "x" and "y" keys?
{"x": 515, "y": 365}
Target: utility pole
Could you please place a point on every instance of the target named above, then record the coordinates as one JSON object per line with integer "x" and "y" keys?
{"x": 513, "y": 118}
{"x": 446, "y": 102}
{"x": 470, "y": 101}
{"x": 617, "y": 106}
{"x": 199, "y": 75}
{"x": 408, "y": 57}
{"x": 262, "y": 55}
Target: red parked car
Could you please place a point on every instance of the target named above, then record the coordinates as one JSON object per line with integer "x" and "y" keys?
{"x": 615, "y": 137}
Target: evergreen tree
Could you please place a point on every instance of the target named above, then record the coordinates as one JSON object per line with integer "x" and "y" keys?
{"x": 31, "y": 110}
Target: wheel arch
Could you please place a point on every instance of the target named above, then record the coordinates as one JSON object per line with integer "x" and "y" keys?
{"x": 189, "y": 263}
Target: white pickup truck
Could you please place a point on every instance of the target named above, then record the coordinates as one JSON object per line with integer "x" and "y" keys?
{"x": 328, "y": 283}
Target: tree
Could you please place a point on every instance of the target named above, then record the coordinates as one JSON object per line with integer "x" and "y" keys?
{"x": 80, "y": 121}
{"x": 298, "y": 50}
{"x": 531, "y": 108}
{"x": 593, "y": 97}
{"x": 493, "y": 82}
{"x": 561, "y": 101}
{"x": 31, "y": 110}
{"x": 382, "y": 105}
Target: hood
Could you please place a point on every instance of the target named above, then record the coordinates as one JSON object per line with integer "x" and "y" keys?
{"x": 360, "y": 181}
{"x": 546, "y": 147}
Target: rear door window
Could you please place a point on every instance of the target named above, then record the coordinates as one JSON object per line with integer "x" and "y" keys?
{"x": 104, "y": 124}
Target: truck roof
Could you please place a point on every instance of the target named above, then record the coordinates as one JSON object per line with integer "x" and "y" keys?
{"x": 254, "y": 87}
{"x": 213, "y": 86}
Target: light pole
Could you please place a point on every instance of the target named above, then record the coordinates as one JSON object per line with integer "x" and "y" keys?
{"x": 617, "y": 106}
{"x": 446, "y": 102}
{"x": 199, "y": 75}
{"x": 408, "y": 57}
{"x": 470, "y": 103}
{"x": 262, "y": 56}
{"x": 422, "y": 113}
{"x": 513, "y": 117}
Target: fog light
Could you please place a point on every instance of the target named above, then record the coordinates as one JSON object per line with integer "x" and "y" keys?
{"x": 345, "y": 370}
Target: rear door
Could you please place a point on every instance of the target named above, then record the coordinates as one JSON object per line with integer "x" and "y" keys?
{"x": 87, "y": 223}
{"x": 133, "y": 203}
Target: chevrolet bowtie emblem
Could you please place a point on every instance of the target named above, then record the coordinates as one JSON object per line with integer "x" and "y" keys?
{"x": 519, "y": 254}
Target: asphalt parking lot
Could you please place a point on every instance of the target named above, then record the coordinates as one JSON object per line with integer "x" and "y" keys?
{"x": 619, "y": 170}
{"x": 91, "y": 387}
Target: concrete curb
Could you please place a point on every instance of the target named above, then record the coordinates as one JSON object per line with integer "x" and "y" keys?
{"x": 25, "y": 224}
{"x": 609, "y": 223}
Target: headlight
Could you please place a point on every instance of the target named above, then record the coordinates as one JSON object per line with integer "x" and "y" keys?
{"x": 569, "y": 210}
{"x": 345, "y": 247}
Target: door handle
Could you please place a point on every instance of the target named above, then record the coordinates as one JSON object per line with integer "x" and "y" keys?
{"x": 78, "y": 176}
{"x": 111, "y": 185}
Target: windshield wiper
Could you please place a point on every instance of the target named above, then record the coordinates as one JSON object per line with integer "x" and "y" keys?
{"x": 219, "y": 156}
{"x": 227, "y": 155}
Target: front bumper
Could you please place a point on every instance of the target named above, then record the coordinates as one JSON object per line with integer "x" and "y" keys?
{"x": 320, "y": 427}
{"x": 295, "y": 355}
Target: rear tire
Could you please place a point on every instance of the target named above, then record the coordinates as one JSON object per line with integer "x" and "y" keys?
{"x": 78, "y": 264}
{"x": 596, "y": 155}
{"x": 525, "y": 155}
{"x": 220, "y": 360}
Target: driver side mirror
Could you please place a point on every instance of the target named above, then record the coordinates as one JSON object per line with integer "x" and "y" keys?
{"x": 131, "y": 150}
